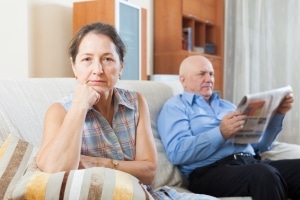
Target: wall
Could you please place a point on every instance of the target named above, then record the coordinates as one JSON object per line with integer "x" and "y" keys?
{"x": 50, "y": 30}
{"x": 35, "y": 34}
{"x": 13, "y": 38}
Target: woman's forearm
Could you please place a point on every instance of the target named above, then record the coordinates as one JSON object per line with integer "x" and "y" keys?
{"x": 61, "y": 146}
{"x": 142, "y": 170}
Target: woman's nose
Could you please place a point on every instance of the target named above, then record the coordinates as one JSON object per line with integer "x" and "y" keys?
{"x": 97, "y": 68}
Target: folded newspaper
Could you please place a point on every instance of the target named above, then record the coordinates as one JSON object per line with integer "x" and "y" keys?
{"x": 259, "y": 108}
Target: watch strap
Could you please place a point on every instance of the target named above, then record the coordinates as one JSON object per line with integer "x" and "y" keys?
{"x": 115, "y": 163}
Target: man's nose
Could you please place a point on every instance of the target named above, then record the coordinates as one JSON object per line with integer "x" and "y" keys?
{"x": 208, "y": 77}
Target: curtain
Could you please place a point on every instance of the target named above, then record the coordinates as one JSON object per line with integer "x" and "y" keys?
{"x": 262, "y": 52}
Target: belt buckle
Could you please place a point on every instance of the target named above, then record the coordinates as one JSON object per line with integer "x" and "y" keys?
{"x": 236, "y": 155}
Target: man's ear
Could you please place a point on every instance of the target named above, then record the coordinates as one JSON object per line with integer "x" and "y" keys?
{"x": 182, "y": 81}
{"x": 181, "y": 78}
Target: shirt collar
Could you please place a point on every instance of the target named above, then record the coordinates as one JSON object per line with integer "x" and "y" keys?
{"x": 122, "y": 101}
{"x": 192, "y": 97}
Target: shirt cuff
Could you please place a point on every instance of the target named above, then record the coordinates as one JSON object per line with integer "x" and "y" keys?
{"x": 216, "y": 137}
{"x": 277, "y": 120}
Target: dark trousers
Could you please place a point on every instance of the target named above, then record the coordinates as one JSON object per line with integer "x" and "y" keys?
{"x": 247, "y": 176}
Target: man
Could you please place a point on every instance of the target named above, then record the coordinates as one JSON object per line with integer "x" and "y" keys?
{"x": 196, "y": 128}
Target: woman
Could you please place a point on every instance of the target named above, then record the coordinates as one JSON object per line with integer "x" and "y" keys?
{"x": 99, "y": 125}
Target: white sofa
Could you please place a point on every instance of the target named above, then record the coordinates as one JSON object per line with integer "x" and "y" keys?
{"x": 23, "y": 104}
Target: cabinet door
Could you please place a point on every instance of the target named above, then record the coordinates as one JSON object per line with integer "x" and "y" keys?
{"x": 192, "y": 8}
{"x": 200, "y": 9}
{"x": 129, "y": 30}
{"x": 86, "y": 12}
{"x": 169, "y": 62}
{"x": 209, "y": 10}
{"x": 167, "y": 25}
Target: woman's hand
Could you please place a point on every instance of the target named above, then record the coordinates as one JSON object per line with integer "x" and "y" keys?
{"x": 85, "y": 95}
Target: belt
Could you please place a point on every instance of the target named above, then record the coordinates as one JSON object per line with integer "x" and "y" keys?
{"x": 225, "y": 161}
{"x": 236, "y": 156}
{"x": 241, "y": 155}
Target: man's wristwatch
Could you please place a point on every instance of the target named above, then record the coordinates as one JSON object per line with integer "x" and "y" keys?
{"x": 115, "y": 163}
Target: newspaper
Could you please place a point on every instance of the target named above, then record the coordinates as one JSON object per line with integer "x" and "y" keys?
{"x": 259, "y": 108}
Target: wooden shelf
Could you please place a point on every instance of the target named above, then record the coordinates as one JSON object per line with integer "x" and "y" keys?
{"x": 205, "y": 20}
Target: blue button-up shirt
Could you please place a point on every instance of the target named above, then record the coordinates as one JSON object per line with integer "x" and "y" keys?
{"x": 189, "y": 130}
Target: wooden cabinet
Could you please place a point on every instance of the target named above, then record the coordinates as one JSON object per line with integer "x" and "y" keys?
{"x": 205, "y": 20}
{"x": 218, "y": 67}
{"x": 132, "y": 29}
{"x": 86, "y": 12}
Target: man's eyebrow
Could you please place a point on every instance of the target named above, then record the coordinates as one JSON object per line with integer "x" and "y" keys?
{"x": 205, "y": 71}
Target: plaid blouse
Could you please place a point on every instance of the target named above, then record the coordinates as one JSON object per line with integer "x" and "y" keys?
{"x": 99, "y": 138}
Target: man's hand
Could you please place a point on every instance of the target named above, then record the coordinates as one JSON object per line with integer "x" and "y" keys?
{"x": 232, "y": 123}
{"x": 286, "y": 104}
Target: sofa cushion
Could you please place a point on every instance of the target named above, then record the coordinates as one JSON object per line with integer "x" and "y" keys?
{"x": 282, "y": 150}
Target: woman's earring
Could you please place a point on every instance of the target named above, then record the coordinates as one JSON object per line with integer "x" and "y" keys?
{"x": 120, "y": 76}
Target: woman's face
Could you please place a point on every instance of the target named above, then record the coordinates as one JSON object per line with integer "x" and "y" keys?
{"x": 97, "y": 62}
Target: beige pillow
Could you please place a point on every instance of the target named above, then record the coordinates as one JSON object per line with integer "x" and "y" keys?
{"x": 92, "y": 183}
{"x": 15, "y": 154}
{"x": 21, "y": 179}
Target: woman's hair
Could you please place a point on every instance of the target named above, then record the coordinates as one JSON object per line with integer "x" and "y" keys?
{"x": 97, "y": 28}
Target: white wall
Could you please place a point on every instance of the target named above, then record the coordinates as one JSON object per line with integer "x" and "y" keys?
{"x": 50, "y": 30}
{"x": 13, "y": 38}
{"x": 34, "y": 36}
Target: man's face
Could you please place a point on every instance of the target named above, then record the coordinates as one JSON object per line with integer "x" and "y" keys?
{"x": 199, "y": 79}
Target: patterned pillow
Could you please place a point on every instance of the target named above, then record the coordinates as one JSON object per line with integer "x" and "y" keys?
{"x": 15, "y": 154}
{"x": 92, "y": 183}
{"x": 20, "y": 178}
